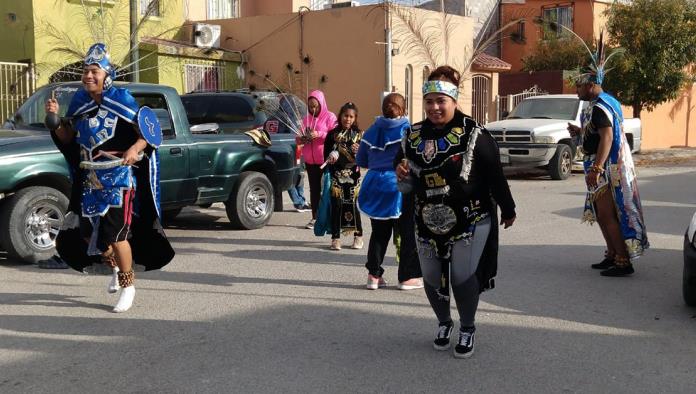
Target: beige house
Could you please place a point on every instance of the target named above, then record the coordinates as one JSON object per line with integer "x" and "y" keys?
{"x": 344, "y": 52}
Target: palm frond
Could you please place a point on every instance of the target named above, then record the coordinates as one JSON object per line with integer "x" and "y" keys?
{"x": 414, "y": 37}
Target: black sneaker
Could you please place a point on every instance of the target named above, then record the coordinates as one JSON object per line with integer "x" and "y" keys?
{"x": 618, "y": 270}
{"x": 608, "y": 262}
{"x": 465, "y": 347}
{"x": 442, "y": 336}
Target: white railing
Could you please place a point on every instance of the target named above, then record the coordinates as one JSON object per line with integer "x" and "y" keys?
{"x": 17, "y": 82}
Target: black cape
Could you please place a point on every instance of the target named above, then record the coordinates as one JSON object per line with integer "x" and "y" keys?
{"x": 150, "y": 248}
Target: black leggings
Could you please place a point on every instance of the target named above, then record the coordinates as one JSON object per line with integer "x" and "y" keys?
{"x": 314, "y": 173}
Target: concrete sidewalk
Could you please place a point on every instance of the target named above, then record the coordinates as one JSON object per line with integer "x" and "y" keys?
{"x": 661, "y": 157}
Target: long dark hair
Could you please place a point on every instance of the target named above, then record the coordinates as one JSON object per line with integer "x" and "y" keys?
{"x": 347, "y": 106}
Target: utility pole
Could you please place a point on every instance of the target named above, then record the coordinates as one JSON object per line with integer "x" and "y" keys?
{"x": 134, "y": 40}
{"x": 388, "y": 47}
{"x": 442, "y": 6}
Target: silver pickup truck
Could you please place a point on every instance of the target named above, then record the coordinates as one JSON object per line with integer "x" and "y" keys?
{"x": 535, "y": 134}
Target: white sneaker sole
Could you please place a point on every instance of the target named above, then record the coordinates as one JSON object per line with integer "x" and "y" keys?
{"x": 410, "y": 287}
{"x": 442, "y": 348}
{"x": 463, "y": 355}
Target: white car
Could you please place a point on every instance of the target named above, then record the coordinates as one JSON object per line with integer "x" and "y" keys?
{"x": 689, "y": 283}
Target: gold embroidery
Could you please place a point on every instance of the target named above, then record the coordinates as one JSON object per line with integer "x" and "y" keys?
{"x": 434, "y": 180}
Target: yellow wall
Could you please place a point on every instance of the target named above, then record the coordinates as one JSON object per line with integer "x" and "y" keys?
{"x": 195, "y": 10}
{"x": 169, "y": 70}
{"x": 17, "y": 38}
{"x": 68, "y": 21}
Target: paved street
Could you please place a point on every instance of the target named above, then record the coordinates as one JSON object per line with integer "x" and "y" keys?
{"x": 274, "y": 310}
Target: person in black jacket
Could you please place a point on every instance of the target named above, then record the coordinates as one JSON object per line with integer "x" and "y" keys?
{"x": 453, "y": 166}
{"x": 340, "y": 147}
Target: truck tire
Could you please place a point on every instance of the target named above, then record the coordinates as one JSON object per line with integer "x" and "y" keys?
{"x": 561, "y": 163}
{"x": 250, "y": 205}
{"x": 31, "y": 219}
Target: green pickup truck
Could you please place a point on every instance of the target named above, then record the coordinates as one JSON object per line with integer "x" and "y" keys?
{"x": 198, "y": 166}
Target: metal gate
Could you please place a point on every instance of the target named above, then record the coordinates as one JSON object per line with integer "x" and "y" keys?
{"x": 17, "y": 82}
{"x": 480, "y": 97}
{"x": 505, "y": 104}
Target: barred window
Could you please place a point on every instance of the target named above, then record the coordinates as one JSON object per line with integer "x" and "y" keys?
{"x": 223, "y": 9}
{"x": 204, "y": 78}
{"x": 562, "y": 16}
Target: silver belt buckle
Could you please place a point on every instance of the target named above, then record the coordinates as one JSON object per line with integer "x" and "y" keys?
{"x": 439, "y": 218}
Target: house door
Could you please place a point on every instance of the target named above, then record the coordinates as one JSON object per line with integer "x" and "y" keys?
{"x": 480, "y": 97}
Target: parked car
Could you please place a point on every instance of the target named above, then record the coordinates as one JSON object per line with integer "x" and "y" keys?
{"x": 199, "y": 166}
{"x": 535, "y": 134}
{"x": 689, "y": 276}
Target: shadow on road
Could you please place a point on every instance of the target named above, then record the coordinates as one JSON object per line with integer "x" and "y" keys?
{"x": 318, "y": 348}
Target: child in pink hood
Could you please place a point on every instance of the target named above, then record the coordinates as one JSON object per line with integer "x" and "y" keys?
{"x": 317, "y": 123}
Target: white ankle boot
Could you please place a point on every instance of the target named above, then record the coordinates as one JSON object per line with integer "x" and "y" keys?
{"x": 113, "y": 283}
{"x": 126, "y": 300}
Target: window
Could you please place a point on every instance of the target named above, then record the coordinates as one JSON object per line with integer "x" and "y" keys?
{"x": 158, "y": 104}
{"x": 204, "y": 78}
{"x": 214, "y": 108}
{"x": 555, "y": 16}
{"x": 150, "y": 7}
{"x": 519, "y": 34}
{"x": 564, "y": 109}
{"x": 223, "y": 9}
{"x": 408, "y": 90}
{"x": 224, "y": 109}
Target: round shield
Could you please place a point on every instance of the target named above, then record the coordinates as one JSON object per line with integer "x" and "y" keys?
{"x": 149, "y": 125}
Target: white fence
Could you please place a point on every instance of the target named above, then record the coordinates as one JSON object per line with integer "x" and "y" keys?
{"x": 17, "y": 82}
{"x": 505, "y": 104}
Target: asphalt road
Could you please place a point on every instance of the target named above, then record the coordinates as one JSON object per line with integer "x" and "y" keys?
{"x": 274, "y": 310}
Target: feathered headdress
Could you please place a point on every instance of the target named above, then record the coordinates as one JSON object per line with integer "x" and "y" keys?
{"x": 595, "y": 70}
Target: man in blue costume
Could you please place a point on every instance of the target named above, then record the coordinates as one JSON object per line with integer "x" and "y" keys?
{"x": 110, "y": 144}
{"x": 612, "y": 199}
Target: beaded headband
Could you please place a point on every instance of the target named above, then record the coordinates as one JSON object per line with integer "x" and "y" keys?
{"x": 444, "y": 87}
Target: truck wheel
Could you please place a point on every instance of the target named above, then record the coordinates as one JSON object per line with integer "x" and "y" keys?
{"x": 31, "y": 219}
{"x": 561, "y": 163}
{"x": 689, "y": 288}
{"x": 250, "y": 205}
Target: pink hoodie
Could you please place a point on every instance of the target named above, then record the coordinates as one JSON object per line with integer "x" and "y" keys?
{"x": 313, "y": 152}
